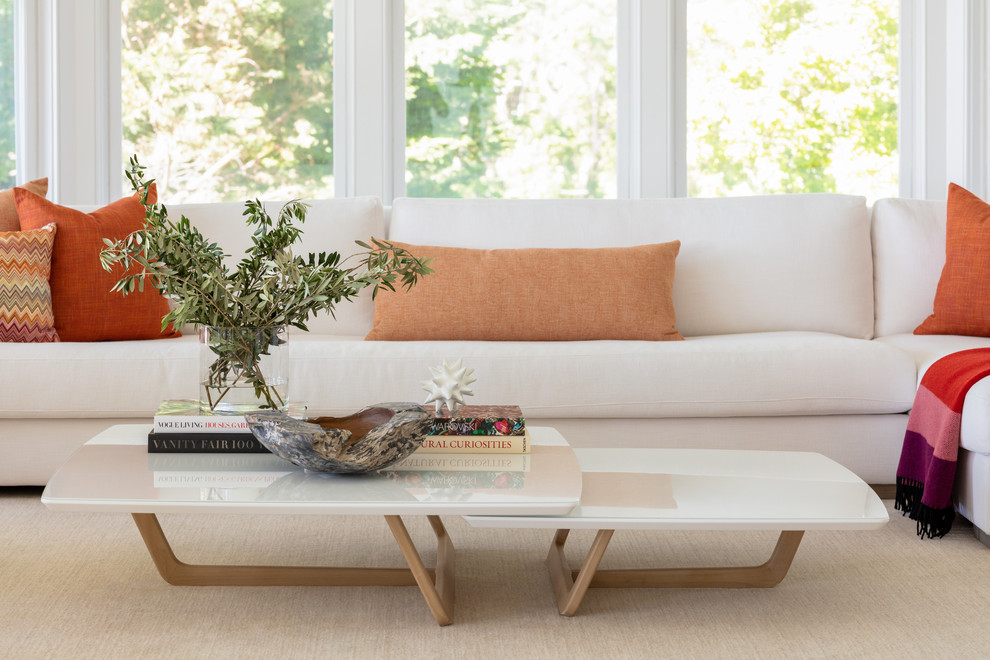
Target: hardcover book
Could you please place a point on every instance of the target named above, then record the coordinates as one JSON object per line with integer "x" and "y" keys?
{"x": 479, "y": 420}
{"x": 210, "y": 442}
{"x": 185, "y": 416}
{"x": 477, "y": 444}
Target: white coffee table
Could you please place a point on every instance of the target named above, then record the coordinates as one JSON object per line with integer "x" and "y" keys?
{"x": 115, "y": 472}
{"x": 695, "y": 489}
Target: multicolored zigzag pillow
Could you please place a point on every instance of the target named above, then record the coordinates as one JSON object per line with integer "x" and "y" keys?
{"x": 25, "y": 295}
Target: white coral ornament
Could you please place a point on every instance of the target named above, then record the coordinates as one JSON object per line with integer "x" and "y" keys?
{"x": 449, "y": 385}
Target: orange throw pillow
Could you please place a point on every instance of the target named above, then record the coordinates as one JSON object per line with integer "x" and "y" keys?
{"x": 85, "y": 308}
{"x": 962, "y": 299}
{"x": 534, "y": 294}
{"x": 8, "y": 209}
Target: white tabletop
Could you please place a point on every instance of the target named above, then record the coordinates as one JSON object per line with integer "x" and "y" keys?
{"x": 711, "y": 489}
{"x": 115, "y": 472}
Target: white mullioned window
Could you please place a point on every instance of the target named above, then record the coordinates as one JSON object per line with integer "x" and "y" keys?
{"x": 514, "y": 98}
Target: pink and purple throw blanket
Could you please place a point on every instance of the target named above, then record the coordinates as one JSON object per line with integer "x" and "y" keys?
{"x": 927, "y": 468}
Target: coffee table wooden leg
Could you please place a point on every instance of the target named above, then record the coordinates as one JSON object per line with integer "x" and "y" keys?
{"x": 768, "y": 574}
{"x": 439, "y": 595}
{"x": 570, "y": 586}
{"x": 180, "y": 573}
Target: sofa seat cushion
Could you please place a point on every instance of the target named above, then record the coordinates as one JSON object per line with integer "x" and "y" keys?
{"x": 96, "y": 379}
{"x": 783, "y": 373}
{"x": 974, "y": 432}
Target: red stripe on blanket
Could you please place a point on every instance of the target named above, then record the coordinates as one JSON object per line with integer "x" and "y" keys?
{"x": 951, "y": 377}
{"x": 927, "y": 468}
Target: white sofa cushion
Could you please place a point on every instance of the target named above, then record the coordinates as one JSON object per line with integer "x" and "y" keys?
{"x": 96, "y": 379}
{"x": 332, "y": 225}
{"x": 974, "y": 431}
{"x": 908, "y": 253}
{"x": 752, "y": 264}
{"x": 778, "y": 373}
{"x": 783, "y": 373}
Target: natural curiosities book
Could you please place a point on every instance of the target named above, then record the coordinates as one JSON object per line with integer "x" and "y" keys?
{"x": 479, "y": 420}
{"x": 478, "y": 444}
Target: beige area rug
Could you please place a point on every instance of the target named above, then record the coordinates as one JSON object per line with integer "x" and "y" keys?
{"x": 81, "y": 585}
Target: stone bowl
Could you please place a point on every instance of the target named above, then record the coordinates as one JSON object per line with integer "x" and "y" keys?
{"x": 370, "y": 439}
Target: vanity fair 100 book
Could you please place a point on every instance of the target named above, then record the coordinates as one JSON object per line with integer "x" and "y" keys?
{"x": 204, "y": 443}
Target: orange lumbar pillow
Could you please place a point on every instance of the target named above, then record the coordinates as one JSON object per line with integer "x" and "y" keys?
{"x": 962, "y": 299}
{"x": 535, "y": 294}
{"x": 85, "y": 307}
{"x": 8, "y": 209}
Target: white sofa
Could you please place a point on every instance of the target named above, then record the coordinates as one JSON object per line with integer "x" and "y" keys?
{"x": 797, "y": 312}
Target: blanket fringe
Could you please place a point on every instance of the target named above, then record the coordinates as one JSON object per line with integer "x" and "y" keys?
{"x": 932, "y": 523}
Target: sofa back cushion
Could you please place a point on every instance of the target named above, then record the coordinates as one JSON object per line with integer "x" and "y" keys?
{"x": 909, "y": 252}
{"x": 746, "y": 264}
{"x": 332, "y": 225}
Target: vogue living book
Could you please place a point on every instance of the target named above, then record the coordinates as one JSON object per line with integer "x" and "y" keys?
{"x": 186, "y": 416}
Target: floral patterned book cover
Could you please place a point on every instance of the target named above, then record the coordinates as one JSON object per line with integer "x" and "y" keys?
{"x": 480, "y": 420}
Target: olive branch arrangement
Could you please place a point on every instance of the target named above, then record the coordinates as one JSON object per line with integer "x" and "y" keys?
{"x": 270, "y": 287}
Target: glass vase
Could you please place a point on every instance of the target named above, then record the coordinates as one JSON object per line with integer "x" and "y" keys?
{"x": 243, "y": 369}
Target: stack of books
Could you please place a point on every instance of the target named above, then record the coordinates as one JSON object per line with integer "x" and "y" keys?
{"x": 182, "y": 427}
{"x": 478, "y": 429}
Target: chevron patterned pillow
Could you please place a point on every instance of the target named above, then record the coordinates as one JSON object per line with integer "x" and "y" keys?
{"x": 25, "y": 295}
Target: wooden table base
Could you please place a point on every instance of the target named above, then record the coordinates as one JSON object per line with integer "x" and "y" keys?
{"x": 570, "y": 586}
{"x": 437, "y": 585}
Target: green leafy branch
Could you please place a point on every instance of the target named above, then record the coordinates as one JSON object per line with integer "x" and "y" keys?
{"x": 270, "y": 286}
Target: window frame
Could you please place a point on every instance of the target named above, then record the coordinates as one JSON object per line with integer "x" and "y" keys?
{"x": 68, "y": 98}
